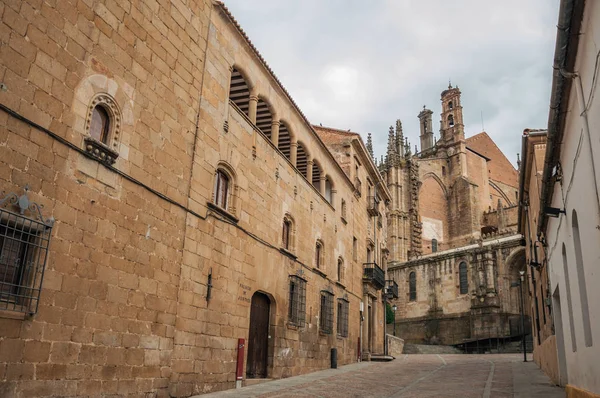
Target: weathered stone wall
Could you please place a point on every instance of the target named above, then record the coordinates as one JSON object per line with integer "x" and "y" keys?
{"x": 124, "y": 306}
{"x": 395, "y": 345}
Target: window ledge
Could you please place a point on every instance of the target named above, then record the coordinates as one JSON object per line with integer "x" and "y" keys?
{"x": 340, "y": 284}
{"x": 222, "y": 212}
{"x": 288, "y": 253}
{"x": 100, "y": 151}
{"x": 324, "y": 334}
{"x": 340, "y": 337}
{"x": 319, "y": 272}
{"x": 344, "y": 220}
{"x": 13, "y": 315}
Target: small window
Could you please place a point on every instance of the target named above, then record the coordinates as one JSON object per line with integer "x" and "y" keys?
{"x": 340, "y": 269}
{"x": 342, "y": 317}
{"x": 297, "y": 304}
{"x": 450, "y": 121}
{"x": 450, "y": 105}
{"x": 328, "y": 190}
{"x": 221, "y": 189}
{"x": 443, "y": 170}
{"x": 434, "y": 245}
{"x": 463, "y": 278}
{"x": 100, "y": 124}
{"x": 319, "y": 255}
{"x": 286, "y": 234}
{"x": 412, "y": 286}
{"x": 343, "y": 209}
{"x": 326, "y": 318}
{"x": 354, "y": 249}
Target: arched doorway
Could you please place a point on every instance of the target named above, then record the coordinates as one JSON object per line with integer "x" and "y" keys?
{"x": 258, "y": 338}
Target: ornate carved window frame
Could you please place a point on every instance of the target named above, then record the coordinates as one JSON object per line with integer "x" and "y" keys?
{"x": 104, "y": 152}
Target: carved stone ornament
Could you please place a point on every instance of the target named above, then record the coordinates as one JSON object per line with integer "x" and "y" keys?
{"x": 104, "y": 152}
{"x": 23, "y": 205}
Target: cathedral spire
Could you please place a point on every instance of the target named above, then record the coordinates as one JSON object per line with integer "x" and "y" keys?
{"x": 391, "y": 149}
{"x": 399, "y": 139}
{"x": 370, "y": 146}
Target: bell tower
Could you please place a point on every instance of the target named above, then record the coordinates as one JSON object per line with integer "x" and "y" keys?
{"x": 452, "y": 125}
{"x": 426, "y": 129}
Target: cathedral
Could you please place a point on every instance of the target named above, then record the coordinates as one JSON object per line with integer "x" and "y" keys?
{"x": 453, "y": 244}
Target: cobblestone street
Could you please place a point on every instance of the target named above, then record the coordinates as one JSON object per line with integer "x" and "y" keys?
{"x": 464, "y": 376}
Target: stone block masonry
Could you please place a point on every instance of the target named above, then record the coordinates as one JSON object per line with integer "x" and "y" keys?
{"x": 117, "y": 116}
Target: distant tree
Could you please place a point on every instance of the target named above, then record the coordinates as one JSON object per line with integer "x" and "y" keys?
{"x": 389, "y": 314}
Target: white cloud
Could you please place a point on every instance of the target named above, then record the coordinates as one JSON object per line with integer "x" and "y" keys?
{"x": 361, "y": 65}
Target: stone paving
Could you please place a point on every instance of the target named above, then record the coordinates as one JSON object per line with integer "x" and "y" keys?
{"x": 411, "y": 376}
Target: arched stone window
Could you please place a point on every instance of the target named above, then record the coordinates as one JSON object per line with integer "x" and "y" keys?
{"x": 103, "y": 128}
{"x": 412, "y": 286}
{"x": 344, "y": 210}
{"x": 239, "y": 91}
{"x": 450, "y": 105}
{"x": 285, "y": 141}
{"x": 463, "y": 278}
{"x": 319, "y": 255}
{"x": 100, "y": 124}
{"x": 450, "y": 121}
{"x": 225, "y": 189}
{"x": 340, "y": 269}
{"x": 583, "y": 296}
{"x": 302, "y": 160}
{"x": 264, "y": 118}
{"x": 287, "y": 236}
{"x": 328, "y": 190}
{"x": 434, "y": 245}
{"x": 316, "y": 176}
{"x": 221, "y": 193}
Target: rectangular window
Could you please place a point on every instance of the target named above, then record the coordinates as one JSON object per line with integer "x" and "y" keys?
{"x": 355, "y": 249}
{"x": 23, "y": 252}
{"x": 343, "y": 209}
{"x": 342, "y": 318}
{"x": 326, "y": 319}
{"x": 297, "y": 308}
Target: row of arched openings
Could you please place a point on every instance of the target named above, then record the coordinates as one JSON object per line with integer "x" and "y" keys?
{"x": 311, "y": 169}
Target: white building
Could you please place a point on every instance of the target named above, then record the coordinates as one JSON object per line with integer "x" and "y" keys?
{"x": 569, "y": 218}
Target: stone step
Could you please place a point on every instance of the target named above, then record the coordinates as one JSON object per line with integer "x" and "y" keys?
{"x": 381, "y": 358}
{"x": 253, "y": 382}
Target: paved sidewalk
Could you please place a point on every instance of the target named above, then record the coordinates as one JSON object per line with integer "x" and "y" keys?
{"x": 463, "y": 376}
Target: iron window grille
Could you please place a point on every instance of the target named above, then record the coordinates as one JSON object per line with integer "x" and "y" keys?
{"x": 412, "y": 286}
{"x": 297, "y": 304}
{"x": 24, "y": 243}
{"x": 342, "y": 317}
{"x": 463, "y": 278}
{"x": 326, "y": 319}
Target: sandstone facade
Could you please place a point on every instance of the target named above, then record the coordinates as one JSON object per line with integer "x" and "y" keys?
{"x": 453, "y": 241}
{"x": 208, "y": 194}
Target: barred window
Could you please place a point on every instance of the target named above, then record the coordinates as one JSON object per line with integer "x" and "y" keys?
{"x": 412, "y": 286}
{"x": 326, "y": 319}
{"x": 23, "y": 252}
{"x": 463, "y": 278}
{"x": 297, "y": 305}
{"x": 340, "y": 269}
{"x": 342, "y": 317}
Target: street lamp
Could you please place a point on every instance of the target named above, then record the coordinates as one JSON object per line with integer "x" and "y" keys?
{"x": 394, "y": 308}
{"x": 519, "y": 283}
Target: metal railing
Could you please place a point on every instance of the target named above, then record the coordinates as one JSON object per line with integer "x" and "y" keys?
{"x": 391, "y": 289}
{"x": 373, "y": 206}
{"x": 374, "y": 275}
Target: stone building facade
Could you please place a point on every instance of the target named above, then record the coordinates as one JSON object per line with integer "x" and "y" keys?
{"x": 533, "y": 150}
{"x": 452, "y": 225}
{"x": 186, "y": 203}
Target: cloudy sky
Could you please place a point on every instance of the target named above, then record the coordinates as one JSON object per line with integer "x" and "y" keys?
{"x": 361, "y": 65}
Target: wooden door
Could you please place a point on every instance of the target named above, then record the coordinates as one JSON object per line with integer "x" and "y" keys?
{"x": 258, "y": 338}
